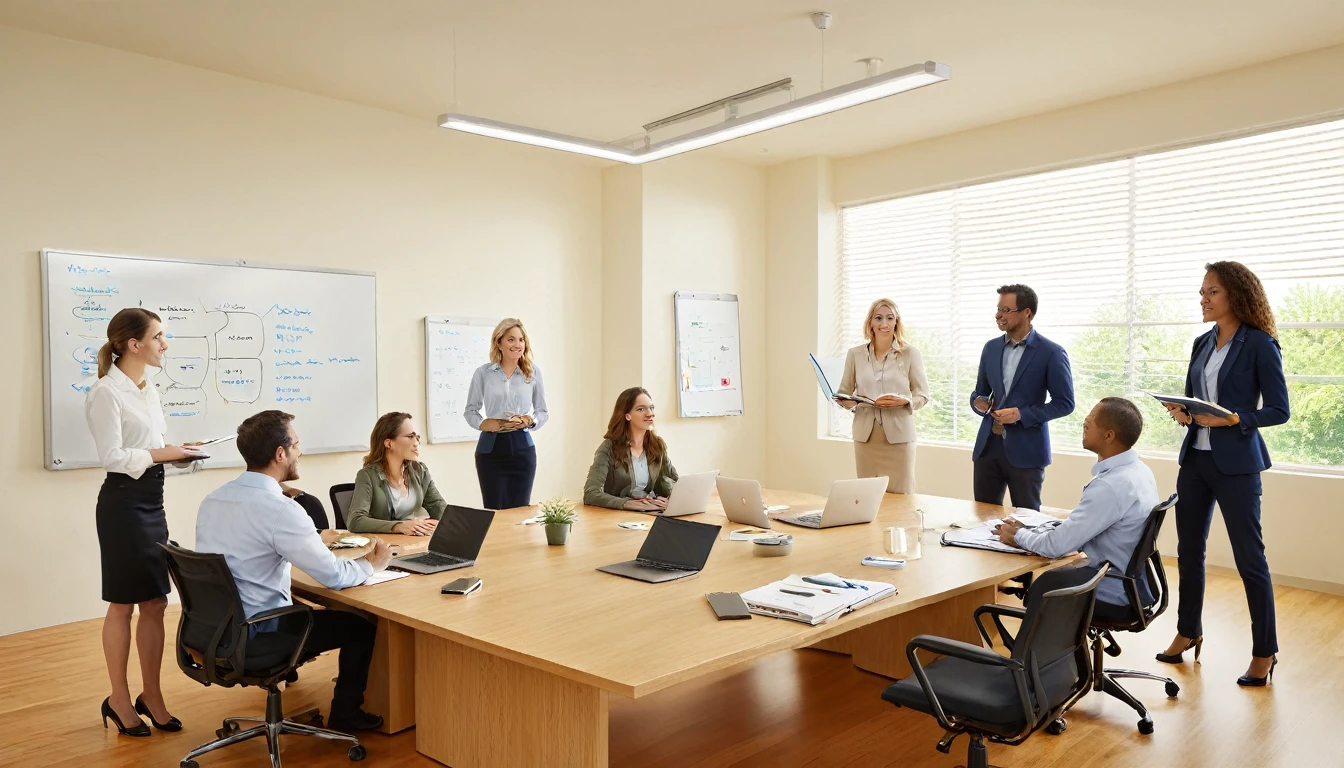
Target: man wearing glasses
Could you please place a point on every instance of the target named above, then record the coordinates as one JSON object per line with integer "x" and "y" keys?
{"x": 1023, "y": 383}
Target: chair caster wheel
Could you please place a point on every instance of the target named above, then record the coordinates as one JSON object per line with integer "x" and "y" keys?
{"x": 227, "y": 730}
{"x": 1173, "y": 689}
{"x": 1057, "y": 727}
{"x": 356, "y": 753}
{"x": 1146, "y": 727}
{"x": 189, "y": 764}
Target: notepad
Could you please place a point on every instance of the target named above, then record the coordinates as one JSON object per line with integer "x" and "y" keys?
{"x": 384, "y": 576}
{"x": 798, "y": 600}
{"x": 1193, "y": 405}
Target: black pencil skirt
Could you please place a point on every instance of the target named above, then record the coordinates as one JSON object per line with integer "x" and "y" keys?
{"x": 131, "y": 525}
{"x": 507, "y": 471}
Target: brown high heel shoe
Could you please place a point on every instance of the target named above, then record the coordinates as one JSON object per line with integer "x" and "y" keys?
{"x": 1178, "y": 657}
{"x": 139, "y": 729}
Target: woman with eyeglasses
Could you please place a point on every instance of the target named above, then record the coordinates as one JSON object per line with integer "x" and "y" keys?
{"x": 631, "y": 468}
{"x": 394, "y": 492}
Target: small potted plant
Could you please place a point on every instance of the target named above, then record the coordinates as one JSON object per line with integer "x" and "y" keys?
{"x": 557, "y": 515}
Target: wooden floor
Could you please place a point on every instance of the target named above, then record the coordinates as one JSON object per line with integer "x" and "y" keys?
{"x": 804, "y": 708}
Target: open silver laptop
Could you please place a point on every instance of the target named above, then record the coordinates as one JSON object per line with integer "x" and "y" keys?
{"x": 690, "y": 496}
{"x": 852, "y": 502}
{"x": 456, "y": 542}
{"x": 742, "y": 502}
{"x": 674, "y": 549}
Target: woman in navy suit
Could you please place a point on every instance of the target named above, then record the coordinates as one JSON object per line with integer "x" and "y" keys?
{"x": 1237, "y": 365}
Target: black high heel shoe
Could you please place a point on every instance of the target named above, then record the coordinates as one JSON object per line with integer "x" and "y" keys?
{"x": 173, "y": 725}
{"x": 1259, "y": 682}
{"x": 139, "y": 729}
{"x": 1178, "y": 657}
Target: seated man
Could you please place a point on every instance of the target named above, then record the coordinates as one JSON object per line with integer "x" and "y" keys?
{"x": 1109, "y": 519}
{"x": 260, "y": 532}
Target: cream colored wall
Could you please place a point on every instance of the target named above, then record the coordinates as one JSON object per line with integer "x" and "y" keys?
{"x": 622, "y": 277}
{"x": 107, "y": 151}
{"x": 1301, "y": 523}
{"x": 704, "y": 230}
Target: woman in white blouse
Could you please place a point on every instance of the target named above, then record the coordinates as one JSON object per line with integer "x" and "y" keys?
{"x": 889, "y": 371}
{"x": 124, "y": 415}
{"x": 506, "y": 402}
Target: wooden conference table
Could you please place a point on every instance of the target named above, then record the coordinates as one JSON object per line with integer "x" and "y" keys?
{"x": 521, "y": 671}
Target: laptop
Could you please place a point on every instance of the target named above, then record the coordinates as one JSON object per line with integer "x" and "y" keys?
{"x": 742, "y": 502}
{"x": 852, "y": 502}
{"x": 456, "y": 542}
{"x": 674, "y": 549}
{"x": 690, "y": 496}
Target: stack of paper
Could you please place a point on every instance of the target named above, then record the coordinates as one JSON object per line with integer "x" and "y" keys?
{"x": 798, "y": 600}
{"x": 982, "y": 536}
{"x": 384, "y": 575}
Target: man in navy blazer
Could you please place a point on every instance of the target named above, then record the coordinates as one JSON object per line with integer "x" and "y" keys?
{"x": 1017, "y": 371}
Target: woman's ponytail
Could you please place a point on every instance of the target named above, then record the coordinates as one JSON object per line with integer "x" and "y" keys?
{"x": 104, "y": 359}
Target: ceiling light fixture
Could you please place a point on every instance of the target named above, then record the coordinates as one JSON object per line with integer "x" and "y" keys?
{"x": 821, "y": 103}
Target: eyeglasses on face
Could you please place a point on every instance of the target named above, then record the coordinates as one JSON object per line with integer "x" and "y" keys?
{"x": 1006, "y": 311}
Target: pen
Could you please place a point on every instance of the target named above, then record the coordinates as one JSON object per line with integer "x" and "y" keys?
{"x": 800, "y": 594}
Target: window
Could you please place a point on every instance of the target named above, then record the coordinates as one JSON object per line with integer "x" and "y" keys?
{"x": 1116, "y": 253}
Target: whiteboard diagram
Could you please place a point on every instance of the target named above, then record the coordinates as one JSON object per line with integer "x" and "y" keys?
{"x": 241, "y": 339}
{"x": 709, "y": 359}
{"x": 454, "y": 349}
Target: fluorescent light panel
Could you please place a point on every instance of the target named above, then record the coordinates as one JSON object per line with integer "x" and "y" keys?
{"x": 824, "y": 102}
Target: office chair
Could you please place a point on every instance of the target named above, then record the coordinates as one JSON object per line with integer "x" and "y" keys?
{"x": 1132, "y": 618}
{"x": 340, "y": 501}
{"x": 313, "y": 506}
{"x": 212, "y": 642}
{"x": 1005, "y": 699}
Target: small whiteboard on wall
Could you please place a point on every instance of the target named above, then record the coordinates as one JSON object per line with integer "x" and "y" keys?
{"x": 242, "y": 338}
{"x": 454, "y": 349}
{"x": 709, "y": 359}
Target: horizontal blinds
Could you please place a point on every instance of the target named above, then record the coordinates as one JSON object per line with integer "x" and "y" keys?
{"x": 1116, "y": 253}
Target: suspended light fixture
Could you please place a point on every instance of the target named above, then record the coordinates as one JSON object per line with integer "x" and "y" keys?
{"x": 824, "y": 102}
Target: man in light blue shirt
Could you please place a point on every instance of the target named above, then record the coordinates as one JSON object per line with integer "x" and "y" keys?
{"x": 260, "y": 532}
{"x": 1110, "y": 517}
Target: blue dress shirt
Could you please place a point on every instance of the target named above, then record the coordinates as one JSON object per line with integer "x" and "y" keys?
{"x": 495, "y": 396}
{"x": 260, "y": 531}
{"x": 1012, "y": 355}
{"x": 1106, "y": 525}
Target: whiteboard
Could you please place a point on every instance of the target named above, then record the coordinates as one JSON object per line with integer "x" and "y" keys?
{"x": 454, "y": 349}
{"x": 709, "y": 358}
{"x": 241, "y": 339}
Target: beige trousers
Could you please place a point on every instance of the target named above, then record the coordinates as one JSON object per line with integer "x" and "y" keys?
{"x": 877, "y": 458}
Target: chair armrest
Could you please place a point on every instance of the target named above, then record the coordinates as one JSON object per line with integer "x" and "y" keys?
{"x": 995, "y": 612}
{"x": 959, "y": 650}
{"x": 275, "y": 613}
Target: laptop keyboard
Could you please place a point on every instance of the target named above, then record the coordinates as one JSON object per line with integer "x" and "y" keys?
{"x": 808, "y": 519}
{"x": 433, "y": 559}
{"x": 660, "y": 566}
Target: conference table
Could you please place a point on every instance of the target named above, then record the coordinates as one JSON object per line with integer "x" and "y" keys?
{"x": 521, "y": 672}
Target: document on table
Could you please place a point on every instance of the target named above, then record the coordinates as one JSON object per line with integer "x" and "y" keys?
{"x": 384, "y": 576}
{"x": 798, "y": 600}
{"x": 980, "y": 537}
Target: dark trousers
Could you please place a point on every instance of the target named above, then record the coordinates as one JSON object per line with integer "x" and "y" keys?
{"x": 506, "y": 472}
{"x": 350, "y": 632}
{"x": 994, "y": 474}
{"x": 1200, "y": 484}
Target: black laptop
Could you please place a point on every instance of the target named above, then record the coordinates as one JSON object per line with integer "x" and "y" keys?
{"x": 456, "y": 542}
{"x": 674, "y": 549}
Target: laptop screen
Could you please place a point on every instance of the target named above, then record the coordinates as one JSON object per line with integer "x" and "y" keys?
{"x": 682, "y": 543}
{"x": 461, "y": 532}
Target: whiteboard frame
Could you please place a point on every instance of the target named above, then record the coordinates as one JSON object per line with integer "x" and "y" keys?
{"x": 478, "y": 322}
{"x": 44, "y": 258}
{"x": 676, "y": 326}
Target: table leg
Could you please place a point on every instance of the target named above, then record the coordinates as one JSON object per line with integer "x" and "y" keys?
{"x": 391, "y": 690}
{"x": 476, "y": 710}
{"x": 880, "y": 647}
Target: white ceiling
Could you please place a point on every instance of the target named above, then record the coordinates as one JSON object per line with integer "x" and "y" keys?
{"x": 602, "y": 68}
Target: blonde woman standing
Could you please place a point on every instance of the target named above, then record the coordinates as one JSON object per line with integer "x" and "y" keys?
{"x": 124, "y": 415}
{"x": 890, "y": 371}
{"x": 507, "y": 402}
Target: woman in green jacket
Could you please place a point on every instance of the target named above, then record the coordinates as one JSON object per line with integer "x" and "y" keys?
{"x": 631, "y": 469}
{"x": 394, "y": 491}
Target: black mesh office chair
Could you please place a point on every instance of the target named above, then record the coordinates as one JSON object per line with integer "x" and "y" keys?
{"x": 340, "y": 501}
{"x": 212, "y": 650}
{"x": 313, "y": 506}
{"x": 1005, "y": 699}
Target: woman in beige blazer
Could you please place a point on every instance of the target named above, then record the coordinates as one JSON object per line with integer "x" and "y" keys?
{"x": 890, "y": 371}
